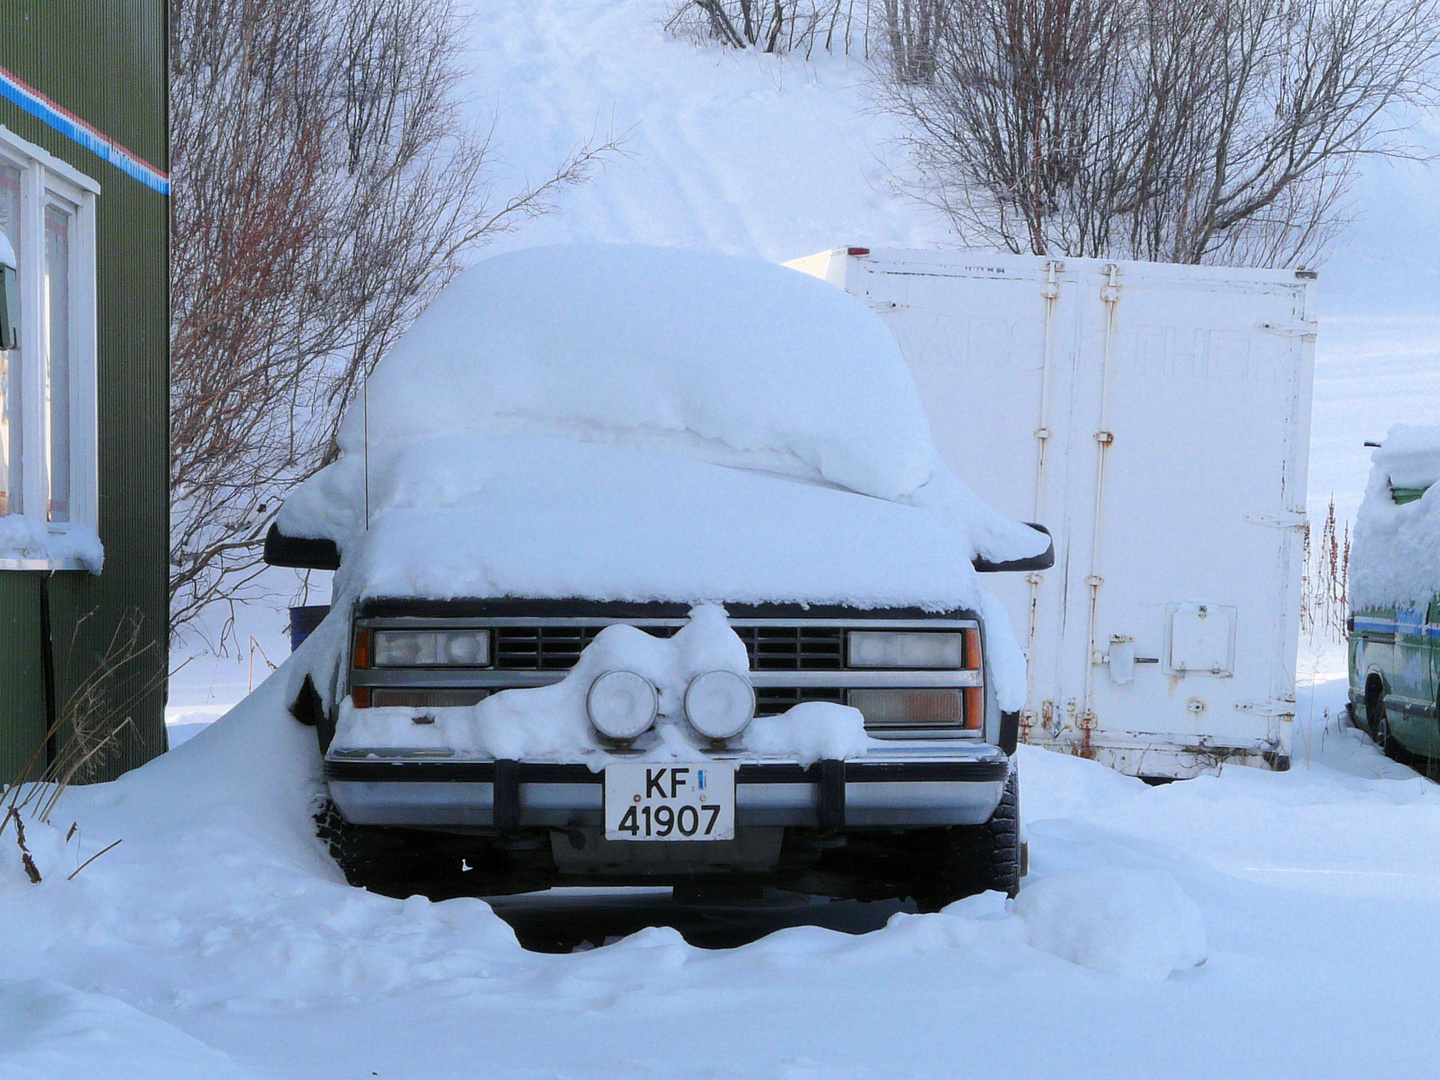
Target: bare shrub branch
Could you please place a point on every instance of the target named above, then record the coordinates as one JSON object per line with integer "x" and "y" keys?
{"x": 326, "y": 186}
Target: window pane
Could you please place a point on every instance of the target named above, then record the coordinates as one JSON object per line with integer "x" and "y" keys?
{"x": 10, "y": 417}
{"x": 57, "y": 358}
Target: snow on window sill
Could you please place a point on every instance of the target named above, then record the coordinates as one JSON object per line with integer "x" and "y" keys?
{"x": 27, "y": 544}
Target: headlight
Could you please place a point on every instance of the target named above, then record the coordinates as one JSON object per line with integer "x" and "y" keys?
{"x": 923, "y": 649}
{"x": 719, "y": 704}
{"x": 621, "y": 704}
{"x": 431, "y": 648}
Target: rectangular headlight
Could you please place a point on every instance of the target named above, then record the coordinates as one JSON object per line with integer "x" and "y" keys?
{"x": 431, "y": 648}
{"x": 925, "y": 649}
{"x": 908, "y": 708}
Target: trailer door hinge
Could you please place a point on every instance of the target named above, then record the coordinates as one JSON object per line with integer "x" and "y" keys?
{"x": 1282, "y": 707}
{"x": 1304, "y": 331}
{"x": 1296, "y": 519}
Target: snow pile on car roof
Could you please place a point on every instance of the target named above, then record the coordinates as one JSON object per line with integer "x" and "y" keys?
{"x": 1395, "y": 558}
{"x": 614, "y": 422}
{"x": 752, "y": 357}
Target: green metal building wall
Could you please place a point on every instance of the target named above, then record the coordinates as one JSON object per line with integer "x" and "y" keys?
{"x": 106, "y": 62}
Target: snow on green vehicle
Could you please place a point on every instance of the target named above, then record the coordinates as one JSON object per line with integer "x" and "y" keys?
{"x": 649, "y": 571}
{"x": 1395, "y": 596}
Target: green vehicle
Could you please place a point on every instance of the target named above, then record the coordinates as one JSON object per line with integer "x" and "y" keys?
{"x": 1394, "y": 619}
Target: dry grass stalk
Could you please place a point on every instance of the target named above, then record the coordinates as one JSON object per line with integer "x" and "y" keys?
{"x": 86, "y": 731}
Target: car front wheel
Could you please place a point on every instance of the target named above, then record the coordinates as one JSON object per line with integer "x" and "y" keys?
{"x": 970, "y": 859}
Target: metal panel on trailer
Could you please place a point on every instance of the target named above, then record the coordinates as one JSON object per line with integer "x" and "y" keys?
{"x": 1156, "y": 418}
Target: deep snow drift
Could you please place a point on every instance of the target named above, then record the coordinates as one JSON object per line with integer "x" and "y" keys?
{"x": 1395, "y": 558}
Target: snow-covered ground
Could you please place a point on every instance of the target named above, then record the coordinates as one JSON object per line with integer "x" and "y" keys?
{"x": 218, "y": 940}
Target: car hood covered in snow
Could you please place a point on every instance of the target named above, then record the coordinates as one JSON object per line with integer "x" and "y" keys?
{"x": 635, "y": 423}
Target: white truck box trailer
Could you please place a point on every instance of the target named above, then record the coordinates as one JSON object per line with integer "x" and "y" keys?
{"x": 1156, "y": 418}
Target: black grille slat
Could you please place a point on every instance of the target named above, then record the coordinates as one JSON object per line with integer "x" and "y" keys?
{"x": 770, "y": 648}
{"x": 541, "y": 648}
{"x": 794, "y": 648}
{"x": 547, "y": 648}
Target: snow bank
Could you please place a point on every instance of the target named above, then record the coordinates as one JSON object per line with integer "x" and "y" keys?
{"x": 1395, "y": 558}
{"x": 550, "y": 722}
{"x": 220, "y": 894}
{"x": 1135, "y": 923}
{"x": 25, "y": 538}
{"x": 49, "y": 1031}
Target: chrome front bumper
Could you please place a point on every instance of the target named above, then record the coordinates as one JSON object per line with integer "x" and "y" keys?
{"x": 921, "y": 786}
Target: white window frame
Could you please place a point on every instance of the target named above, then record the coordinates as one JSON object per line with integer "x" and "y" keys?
{"x": 45, "y": 180}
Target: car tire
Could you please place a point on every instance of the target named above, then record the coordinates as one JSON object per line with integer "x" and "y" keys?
{"x": 973, "y": 859}
{"x": 402, "y": 862}
{"x": 1378, "y": 718}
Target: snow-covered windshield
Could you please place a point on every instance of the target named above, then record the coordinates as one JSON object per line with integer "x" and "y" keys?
{"x": 643, "y": 423}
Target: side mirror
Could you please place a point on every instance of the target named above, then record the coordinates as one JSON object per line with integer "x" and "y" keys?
{"x": 9, "y": 304}
{"x": 1044, "y": 561}
{"x": 296, "y": 551}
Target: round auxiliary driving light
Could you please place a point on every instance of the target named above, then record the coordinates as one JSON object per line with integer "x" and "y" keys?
{"x": 621, "y": 704}
{"x": 719, "y": 704}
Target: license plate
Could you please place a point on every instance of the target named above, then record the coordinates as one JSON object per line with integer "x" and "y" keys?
{"x": 670, "y": 801}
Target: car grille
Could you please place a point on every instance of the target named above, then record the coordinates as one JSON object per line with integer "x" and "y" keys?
{"x": 771, "y": 700}
{"x": 770, "y": 648}
{"x": 541, "y": 648}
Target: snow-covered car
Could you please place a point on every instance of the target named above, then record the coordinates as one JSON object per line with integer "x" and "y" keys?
{"x": 1394, "y": 587}
{"x": 648, "y": 571}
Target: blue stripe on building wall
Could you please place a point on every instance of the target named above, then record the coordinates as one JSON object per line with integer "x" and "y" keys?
{"x": 72, "y": 127}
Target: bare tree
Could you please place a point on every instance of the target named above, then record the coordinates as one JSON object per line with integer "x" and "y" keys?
{"x": 1170, "y": 130}
{"x": 326, "y": 186}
